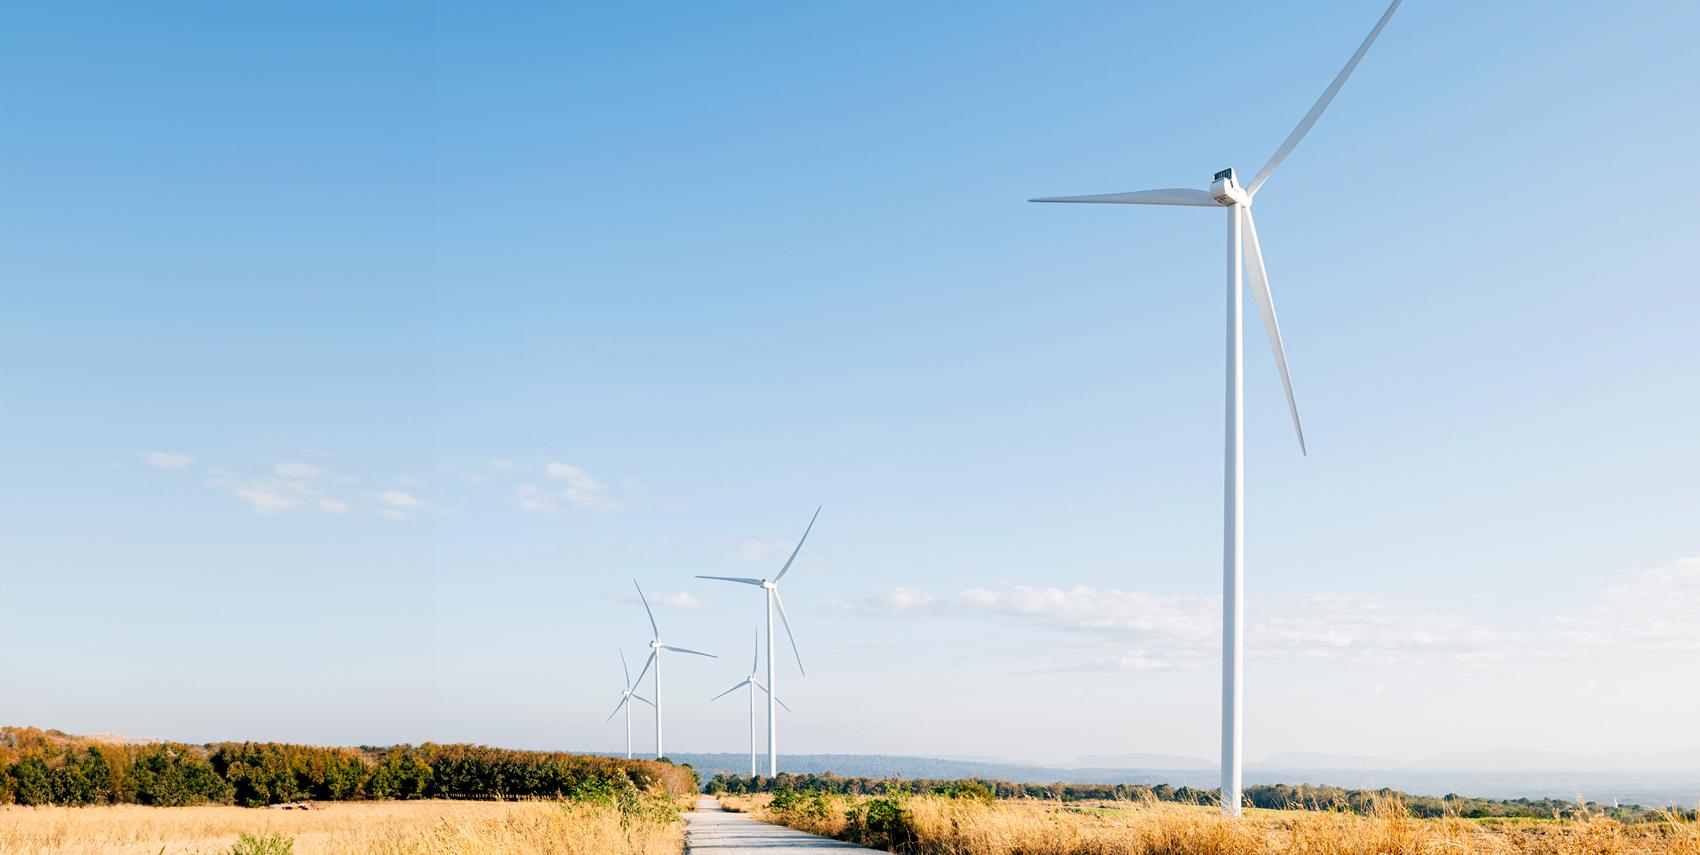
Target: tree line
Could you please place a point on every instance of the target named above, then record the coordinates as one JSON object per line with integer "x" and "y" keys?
{"x": 42, "y": 767}
{"x": 1276, "y": 796}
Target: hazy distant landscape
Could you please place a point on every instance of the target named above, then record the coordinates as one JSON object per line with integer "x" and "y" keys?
{"x": 1656, "y": 781}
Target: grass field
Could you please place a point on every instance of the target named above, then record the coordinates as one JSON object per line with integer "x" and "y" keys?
{"x": 345, "y": 828}
{"x": 933, "y": 825}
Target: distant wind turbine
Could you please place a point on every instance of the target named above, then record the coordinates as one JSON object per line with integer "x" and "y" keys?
{"x": 626, "y": 695}
{"x": 754, "y": 684}
{"x": 1243, "y": 249}
{"x": 771, "y": 587}
{"x": 655, "y": 648}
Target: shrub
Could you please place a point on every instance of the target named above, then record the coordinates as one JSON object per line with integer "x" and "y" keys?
{"x": 270, "y": 844}
{"x": 882, "y": 823}
{"x": 815, "y": 806}
{"x": 973, "y": 790}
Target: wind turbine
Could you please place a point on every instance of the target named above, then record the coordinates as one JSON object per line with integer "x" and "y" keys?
{"x": 626, "y": 695}
{"x": 754, "y": 684}
{"x": 655, "y": 648}
{"x": 1243, "y": 249}
{"x": 771, "y": 587}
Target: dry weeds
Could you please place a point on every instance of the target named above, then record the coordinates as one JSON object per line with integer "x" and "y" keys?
{"x": 345, "y": 828}
{"x": 944, "y": 826}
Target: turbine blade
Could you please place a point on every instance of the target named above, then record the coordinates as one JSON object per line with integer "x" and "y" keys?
{"x": 617, "y": 707}
{"x": 1321, "y": 103}
{"x": 644, "y": 699}
{"x": 787, "y": 567}
{"x": 755, "y": 653}
{"x": 646, "y": 663}
{"x": 743, "y": 579}
{"x": 625, "y": 669}
{"x": 1266, "y": 310}
{"x": 686, "y": 650}
{"x": 1167, "y": 196}
{"x": 775, "y": 697}
{"x": 787, "y": 621}
{"x": 729, "y": 691}
{"x": 656, "y": 632}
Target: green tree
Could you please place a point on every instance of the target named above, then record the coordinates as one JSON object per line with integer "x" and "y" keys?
{"x": 31, "y": 782}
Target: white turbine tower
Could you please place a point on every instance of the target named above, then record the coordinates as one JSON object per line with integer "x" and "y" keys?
{"x": 1225, "y": 192}
{"x": 754, "y": 684}
{"x": 627, "y": 694}
{"x": 655, "y": 648}
{"x": 771, "y": 589}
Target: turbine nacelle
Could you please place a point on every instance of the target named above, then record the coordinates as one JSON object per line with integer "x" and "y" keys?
{"x": 1227, "y": 191}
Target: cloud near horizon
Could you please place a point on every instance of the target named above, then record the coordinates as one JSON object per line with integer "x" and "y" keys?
{"x": 1650, "y": 613}
{"x": 168, "y": 459}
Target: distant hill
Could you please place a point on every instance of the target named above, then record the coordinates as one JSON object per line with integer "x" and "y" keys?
{"x": 1647, "y": 788}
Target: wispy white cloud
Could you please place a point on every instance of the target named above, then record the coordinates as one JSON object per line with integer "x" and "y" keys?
{"x": 565, "y": 486}
{"x": 581, "y": 489}
{"x": 1172, "y": 631}
{"x": 1654, "y": 611}
{"x": 531, "y": 497}
{"x": 1125, "y": 660}
{"x": 400, "y": 499}
{"x": 289, "y": 487}
{"x": 263, "y": 498}
{"x": 1650, "y": 613}
{"x": 895, "y": 601}
{"x": 1357, "y": 628}
{"x": 1184, "y": 619}
{"x": 168, "y": 459}
{"x": 678, "y": 600}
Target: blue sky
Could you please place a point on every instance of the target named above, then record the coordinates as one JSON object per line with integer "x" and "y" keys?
{"x": 357, "y": 359}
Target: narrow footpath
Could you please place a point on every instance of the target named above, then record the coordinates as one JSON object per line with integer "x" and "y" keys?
{"x": 713, "y": 830}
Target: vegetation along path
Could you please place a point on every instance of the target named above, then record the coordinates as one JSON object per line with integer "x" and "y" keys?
{"x": 713, "y": 830}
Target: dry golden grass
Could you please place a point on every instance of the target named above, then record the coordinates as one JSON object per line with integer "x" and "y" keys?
{"x": 345, "y": 828}
{"x": 943, "y": 826}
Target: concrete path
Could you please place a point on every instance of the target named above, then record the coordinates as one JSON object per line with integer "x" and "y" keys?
{"x": 713, "y": 830}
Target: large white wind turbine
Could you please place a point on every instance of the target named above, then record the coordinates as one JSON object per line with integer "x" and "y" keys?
{"x": 1225, "y": 192}
{"x": 655, "y": 648}
{"x": 754, "y": 684}
{"x": 627, "y": 694}
{"x": 771, "y": 589}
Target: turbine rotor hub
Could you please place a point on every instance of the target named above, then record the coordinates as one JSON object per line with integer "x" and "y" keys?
{"x": 1227, "y": 190}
